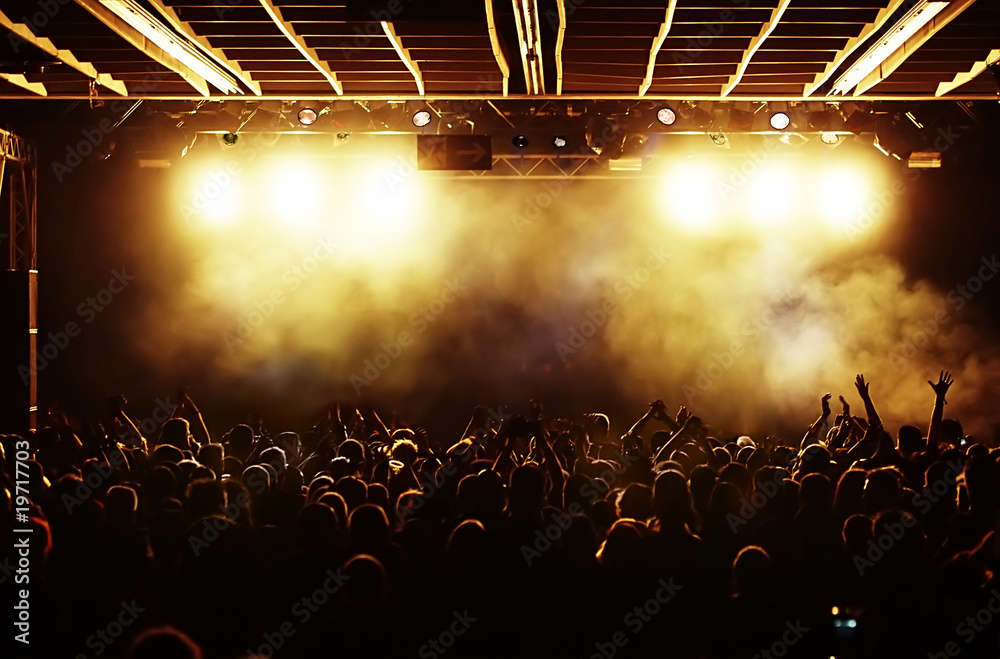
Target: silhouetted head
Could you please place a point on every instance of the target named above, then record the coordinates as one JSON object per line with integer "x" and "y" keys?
{"x": 671, "y": 499}
{"x": 163, "y": 643}
{"x": 527, "y": 490}
{"x": 176, "y": 432}
{"x": 120, "y": 505}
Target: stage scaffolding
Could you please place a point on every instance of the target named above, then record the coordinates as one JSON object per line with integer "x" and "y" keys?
{"x": 18, "y": 285}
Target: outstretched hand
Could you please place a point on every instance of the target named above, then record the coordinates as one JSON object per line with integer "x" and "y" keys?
{"x": 847, "y": 407}
{"x": 943, "y": 384}
{"x": 862, "y": 386}
{"x": 826, "y": 404}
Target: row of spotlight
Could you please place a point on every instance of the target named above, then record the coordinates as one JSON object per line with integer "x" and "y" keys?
{"x": 665, "y": 115}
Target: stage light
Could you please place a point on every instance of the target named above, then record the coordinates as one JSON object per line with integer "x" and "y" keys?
{"x": 841, "y": 194}
{"x": 701, "y": 118}
{"x": 719, "y": 139}
{"x": 230, "y": 139}
{"x": 690, "y": 197}
{"x": 225, "y": 207}
{"x": 294, "y": 193}
{"x": 666, "y": 116}
{"x": 779, "y": 121}
{"x": 520, "y": 141}
{"x": 830, "y": 138}
{"x": 559, "y": 141}
{"x": 421, "y": 118}
{"x": 740, "y": 120}
{"x": 924, "y": 160}
{"x": 307, "y": 116}
{"x": 772, "y": 195}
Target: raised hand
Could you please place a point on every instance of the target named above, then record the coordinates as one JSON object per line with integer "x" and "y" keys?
{"x": 847, "y": 407}
{"x": 657, "y": 409}
{"x": 826, "y": 404}
{"x": 683, "y": 415}
{"x": 862, "y": 386}
{"x": 943, "y": 384}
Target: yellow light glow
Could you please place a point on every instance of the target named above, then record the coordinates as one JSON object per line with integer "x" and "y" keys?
{"x": 211, "y": 196}
{"x": 773, "y": 195}
{"x": 389, "y": 195}
{"x": 690, "y": 196}
{"x": 295, "y": 193}
{"x": 841, "y": 196}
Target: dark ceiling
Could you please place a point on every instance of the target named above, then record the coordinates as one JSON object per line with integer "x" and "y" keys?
{"x": 435, "y": 49}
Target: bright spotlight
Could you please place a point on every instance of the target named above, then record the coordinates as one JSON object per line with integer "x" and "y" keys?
{"x": 666, "y": 116}
{"x": 830, "y": 138}
{"x": 559, "y": 141}
{"x": 691, "y": 198}
{"x": 780, "y": 121}
{"x": 294, "y": 193}
{"x": 771, "y": 195}
{"x": 307, "y": 116}
{"x": 842, "y": 195}
{"x": 215, "y": 198}
{"x": 421, "y": 118}
{"x": 520, "y": 141}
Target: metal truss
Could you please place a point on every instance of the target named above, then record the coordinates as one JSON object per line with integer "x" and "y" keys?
{"x": 19, "y": 184}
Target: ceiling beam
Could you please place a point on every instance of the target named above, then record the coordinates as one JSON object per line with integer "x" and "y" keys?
{"x": 560, "y": 38}
{"x": 495, "y": 44}
{"x": 532, "y": 24}
{"x": 852, "y": 44}
{"x": 522, "y": 44}
{"x": 661, "y": 36}
{"x": 145, "y": 45}
{"x": 19, "y": 80}
{"x": 404, "y": 54}
{"x": 765, "y": 31}
{"x": 300, "y": 45}
{"x": 184, "y": 27}
{"x": 962, "y": 78}
{"x": 23, "y": 32}
{"x": 911, "y": 45}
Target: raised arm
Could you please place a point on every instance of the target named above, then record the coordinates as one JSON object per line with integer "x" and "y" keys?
{"x": 657, "y": 410}
{"x": 812, "y": 434}
{"x": 940, "y": 390}
{"x": 197, "y": 422}
{"x": 873, "y": 417}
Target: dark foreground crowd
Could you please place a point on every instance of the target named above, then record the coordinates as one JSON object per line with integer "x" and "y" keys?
{"x": 529, "y": 537}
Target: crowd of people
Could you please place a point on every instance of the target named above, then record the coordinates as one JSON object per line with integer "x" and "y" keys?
{"x": 527, "y": 536}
